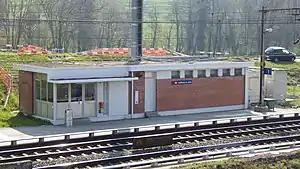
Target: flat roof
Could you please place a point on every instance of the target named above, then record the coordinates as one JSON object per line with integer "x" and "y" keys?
{"x": 145, "y": 61}
{"x": 152, "y": 64}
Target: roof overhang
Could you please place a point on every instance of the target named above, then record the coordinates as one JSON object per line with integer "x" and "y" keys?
{"x": 189, "y": 66}
{"x": 32, "y": 68}
{"x": 92, "y": 80}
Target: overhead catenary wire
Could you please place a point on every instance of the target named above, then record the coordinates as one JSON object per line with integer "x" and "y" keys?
{"x": 254, "y": 21}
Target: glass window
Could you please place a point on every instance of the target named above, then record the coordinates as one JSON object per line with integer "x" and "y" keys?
{"x": 38, "y": 76}
{"x": 213, "y": 72}
{"x": 188, "y": 74}
{"x": 50, "y": 92}
{"x": 50, "y": 113}
{"x": 62, "y": 93}
{"x": 285, "y": 51}
{"x": 277, "y": 51}
{"x": 37, "y": 89}
{"x": 76, "y": 92}
{"x": 238, "y": 72}
{"x": 226, "y": 72}
{"x": 201, "y": 73}
{"x": 90, "y": 91}
{"x": 175, "y": 74}
{"x": 44, "y": 90}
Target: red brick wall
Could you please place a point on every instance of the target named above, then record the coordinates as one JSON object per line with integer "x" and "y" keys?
{"x": 26, "y": 92}
{"x": 139, "y": 85}
{"x": 203, "y": 92}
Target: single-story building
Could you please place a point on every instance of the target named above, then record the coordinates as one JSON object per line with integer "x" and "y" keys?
{"x": 113, "y": 90}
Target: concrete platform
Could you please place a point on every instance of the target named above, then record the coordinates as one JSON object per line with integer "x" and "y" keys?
{"x": 28, "y": 132}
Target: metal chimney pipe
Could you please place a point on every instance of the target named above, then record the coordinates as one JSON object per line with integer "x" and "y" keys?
{"x": 137, "y": 30}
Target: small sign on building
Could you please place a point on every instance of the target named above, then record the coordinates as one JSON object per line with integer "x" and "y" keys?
{"x": 268, "y": 71}
{"x": 182, "y": 82}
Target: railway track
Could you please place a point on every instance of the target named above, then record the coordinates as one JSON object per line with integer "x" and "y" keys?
{"x": 126, "y": 142}
{"x": 138, "y": 160}
{"x": 157, "y": 130}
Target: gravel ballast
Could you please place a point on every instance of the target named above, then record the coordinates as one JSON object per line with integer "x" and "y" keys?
{"x": 87, "y": 157}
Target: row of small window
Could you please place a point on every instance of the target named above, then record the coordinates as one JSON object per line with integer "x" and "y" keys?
{"x": 76, "y": 92}
{"x": 202, "y": 73}
{"x": 44, "y": 91}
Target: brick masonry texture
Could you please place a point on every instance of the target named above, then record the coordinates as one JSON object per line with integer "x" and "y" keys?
{"x": 26, "y": 91}
{"x": 202, "y": 93}
{"x": 139, "y": 85}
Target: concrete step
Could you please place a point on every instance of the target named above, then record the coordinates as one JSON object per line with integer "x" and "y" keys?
{"x": 151, "y": 114}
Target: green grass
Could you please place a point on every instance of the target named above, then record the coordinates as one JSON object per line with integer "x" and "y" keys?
{"x": 9, "y": 119}
{"x": 9, "y": 116}
{"x": 294, "y": 92}
{"x": 289, "y": 162}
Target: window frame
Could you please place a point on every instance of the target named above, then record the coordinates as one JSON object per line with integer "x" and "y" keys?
{"x": 41, "y": 87}
{"x": 201, "y": 75}
{"x": 188, "y": 76}
{"x": 175, "y": 77}
{"x": 74, "y": 95}
{"x": 58, "y": 91}
{"x": 92, "y": 97}
{"x": 44, "y": 90}
{"x": 212, "y": 74}
{"x": 238, "y": 74}
{"x": 50, "y": 92}
{"x": 37, "y": 89}
{"x": 224, "y": 73}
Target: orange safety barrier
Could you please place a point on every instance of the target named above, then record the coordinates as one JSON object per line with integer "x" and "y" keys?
{"x": 31, "y": 49}
{"x": 6, "y": 78}
{"x": 125, "y": 52}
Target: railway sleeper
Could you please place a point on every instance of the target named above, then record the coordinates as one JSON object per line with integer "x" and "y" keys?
{"x": 181, "y": 161}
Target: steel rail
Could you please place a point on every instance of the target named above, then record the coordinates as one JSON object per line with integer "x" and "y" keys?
{"x": 208, "y": 156}
{"x": 176, "y": 134}
{"x": 168, "y": 153}
{"x": 157, "y": 130}
{"x": 126, "y": 143}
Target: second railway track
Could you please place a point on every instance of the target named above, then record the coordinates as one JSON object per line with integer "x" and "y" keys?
{"x": 40, "y": 153}
{"x": 164, "y": 156}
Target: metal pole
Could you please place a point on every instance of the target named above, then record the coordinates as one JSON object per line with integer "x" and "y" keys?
{"x": 212, "y": 24}
{"x": 137, "y": 29}
{"x": 140, "y": 29}
{"x": 134, "y": 25}
{"x": 262, "y": 58}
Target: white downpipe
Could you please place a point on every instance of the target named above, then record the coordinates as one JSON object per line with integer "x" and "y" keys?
{"x": 132, "y": 95}
{"x": 55, "y": 102}
{"x": 7, "y": 97}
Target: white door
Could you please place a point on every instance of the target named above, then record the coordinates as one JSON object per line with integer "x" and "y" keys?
{"x": 253, "y": 89}
{"x": 150, "y": 92}
{"x": 76, "y": 100}
{"x": 89, "y": 100}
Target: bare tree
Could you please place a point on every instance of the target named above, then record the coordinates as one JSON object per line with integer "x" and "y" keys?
{"x": 154, "y": 25}
{"x": 177, "y": 19}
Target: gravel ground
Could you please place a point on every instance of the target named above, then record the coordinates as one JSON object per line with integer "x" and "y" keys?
{"x": 175, "y": 146}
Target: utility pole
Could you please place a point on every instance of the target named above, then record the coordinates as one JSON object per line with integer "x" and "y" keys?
{"x": 137, "y": 30}
{"x": 262, "y": 59}
{"x": 262, "y": 107}
{"x": 212, "y": 23}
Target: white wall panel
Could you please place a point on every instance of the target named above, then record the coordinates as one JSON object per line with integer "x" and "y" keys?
{"x": 118, "y": 98}
{"x": 150, "y": 94}
{"x": 164, "y": 75}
